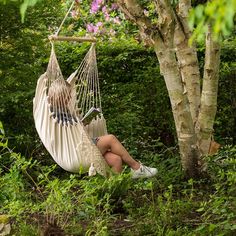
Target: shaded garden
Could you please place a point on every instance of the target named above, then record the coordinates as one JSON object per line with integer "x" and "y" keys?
{"x": 39, "y": 197}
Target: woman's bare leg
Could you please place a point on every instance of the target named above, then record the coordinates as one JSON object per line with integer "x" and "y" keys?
{"x": 111, "y": 143}
{"x": 114, "y": 161}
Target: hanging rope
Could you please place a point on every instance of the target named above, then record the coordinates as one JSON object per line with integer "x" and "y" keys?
{"x": 63, "y": 21}
{"x": 56, "y": 36}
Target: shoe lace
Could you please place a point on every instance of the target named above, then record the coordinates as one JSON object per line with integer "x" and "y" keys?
{"x": 145, "y": 169}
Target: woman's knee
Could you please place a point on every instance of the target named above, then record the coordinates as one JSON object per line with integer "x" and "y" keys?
{"x": 105, "y": 142}
{"x": 111, "y": 138}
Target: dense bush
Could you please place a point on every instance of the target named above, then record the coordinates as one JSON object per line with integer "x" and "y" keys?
{"x": 23, "y": 58}
{"x": 133, "y": 93}
{"x": 225, "y": 124}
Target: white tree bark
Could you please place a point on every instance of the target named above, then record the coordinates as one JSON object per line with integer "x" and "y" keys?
{"x": 187, "y": 58}
{"x": 169, "y": 67}
{"x": 187, "y": 139}
{"x": 208, "y": 107}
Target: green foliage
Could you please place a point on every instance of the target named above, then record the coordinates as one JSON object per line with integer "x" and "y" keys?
{"x": 220, "y": 14}
{"x": 134, "y": 97}
{"x": 219, "y": 211}
{"x": 23, "y": 57}
{"x": 38, "y": 200}
{"x": 133, "y": 94}
{"x": 39, "y": 196}
{"x": 24, "y": 4}
{"x": 135, "y": 102}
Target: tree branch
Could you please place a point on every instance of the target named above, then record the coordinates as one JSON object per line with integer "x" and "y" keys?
{"x": 135, "y": 13}
{"x": 184, "y": 7}
{"x": 166, "y": 19}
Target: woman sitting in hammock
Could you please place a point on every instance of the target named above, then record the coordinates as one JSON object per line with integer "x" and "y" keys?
{"x": 59, "y": 96}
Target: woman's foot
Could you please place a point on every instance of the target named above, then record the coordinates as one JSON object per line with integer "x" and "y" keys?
{"x": 143, "y": 172}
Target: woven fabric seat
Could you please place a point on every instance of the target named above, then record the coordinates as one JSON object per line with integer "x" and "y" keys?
{"x": 67, "y": 140}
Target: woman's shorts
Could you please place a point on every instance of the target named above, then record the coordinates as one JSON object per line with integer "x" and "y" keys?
{"x": 95, "y": 140}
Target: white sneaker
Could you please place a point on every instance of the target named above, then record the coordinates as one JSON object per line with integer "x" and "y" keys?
{"x": 143, "y": 172}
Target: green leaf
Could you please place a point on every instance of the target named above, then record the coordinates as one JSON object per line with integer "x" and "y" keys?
{"x": 199, "y": 12}
{"x": 212, "y": 227}
{"x": 2, "y": 129}
{"x": 24, "y": 7}
{"x": 200, "y": 209}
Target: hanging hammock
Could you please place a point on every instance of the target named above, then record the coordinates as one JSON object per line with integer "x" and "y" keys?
{"x": 58, "y": 118}
{"x": 64, "y": 136}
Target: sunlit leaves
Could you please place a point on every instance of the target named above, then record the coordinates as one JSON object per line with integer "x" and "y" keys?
{"x": 219, "y": 13}
{"x": 25, "y": 5}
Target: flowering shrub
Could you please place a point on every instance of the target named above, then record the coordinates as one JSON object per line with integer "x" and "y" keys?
{"x": 99, "y": 18}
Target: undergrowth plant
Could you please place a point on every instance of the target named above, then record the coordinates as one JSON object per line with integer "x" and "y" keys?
{"x": 42, "y": 199}
{"x": 219, "y": 210}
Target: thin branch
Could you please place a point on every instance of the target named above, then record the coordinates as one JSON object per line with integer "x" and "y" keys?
{"x": 180, "y": 23}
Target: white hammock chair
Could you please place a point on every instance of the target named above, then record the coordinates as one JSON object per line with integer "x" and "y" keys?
{"x": 64, "y": 136}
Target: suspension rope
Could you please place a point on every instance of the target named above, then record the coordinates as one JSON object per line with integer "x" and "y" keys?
{"x": 63, "y": 21}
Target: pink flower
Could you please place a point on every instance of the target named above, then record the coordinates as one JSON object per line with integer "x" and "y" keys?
{"x": 90, "y": 28}
{"x": 74, "y": 14}
{"x": 96, "y": 4}
{"x": 116, "y": 20}
{"x": 146, "y": 12}
{"x": 99, "y": 24}
{"x": 94, "y": 7}
{"x": 95, "y": 29}
{"x": 104, "y": 9}
{"x": 114, "y": 6}
{"x": 107, "y": 17}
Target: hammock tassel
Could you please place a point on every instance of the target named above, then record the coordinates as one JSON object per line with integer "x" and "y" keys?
{"x": 92, "y": 171}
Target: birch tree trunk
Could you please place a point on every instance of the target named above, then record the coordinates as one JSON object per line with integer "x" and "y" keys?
{"x": 169, "y": 68}
{"x": 208, "y": 107}
{"x": 187, "y": 139}
{"x": 187, "y": 58}
{"x": 193, "y": 113}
